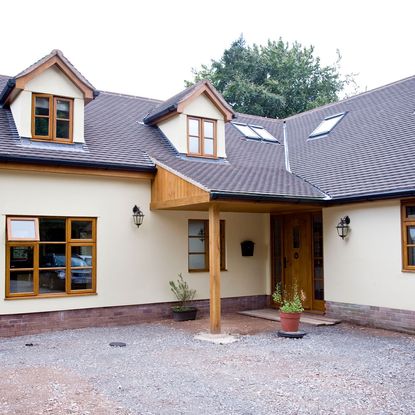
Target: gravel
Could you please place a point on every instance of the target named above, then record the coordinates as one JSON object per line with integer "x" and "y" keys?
{"x": 164, "y": 370}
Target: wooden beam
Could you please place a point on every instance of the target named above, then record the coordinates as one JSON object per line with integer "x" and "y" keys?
{"x": 82, "y": 171}
{"x": 214, "y": 269}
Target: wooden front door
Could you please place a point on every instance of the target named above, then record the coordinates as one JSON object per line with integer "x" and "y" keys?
{"x": 297, "y": 255}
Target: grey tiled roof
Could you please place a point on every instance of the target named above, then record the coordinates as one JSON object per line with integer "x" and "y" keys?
{"x": 370, "y": 151}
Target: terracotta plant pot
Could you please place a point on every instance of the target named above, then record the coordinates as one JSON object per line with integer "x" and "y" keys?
{"x": 290, "y": 321}
{"x": 188, "y": 314}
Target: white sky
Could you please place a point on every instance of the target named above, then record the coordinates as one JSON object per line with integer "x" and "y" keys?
{"x": 148, "y": 48}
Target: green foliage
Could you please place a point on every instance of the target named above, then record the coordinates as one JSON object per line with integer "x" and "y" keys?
{"x": 290, "y": 299}
{"x": 183, "y": 293}
{"x": 275, "y": 80}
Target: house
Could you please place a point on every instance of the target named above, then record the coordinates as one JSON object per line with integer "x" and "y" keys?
{"x": 75, "y": 161}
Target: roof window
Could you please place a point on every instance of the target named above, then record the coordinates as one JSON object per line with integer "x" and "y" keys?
{"x": 256, "y": 132}
{"x": 327, "y": 125}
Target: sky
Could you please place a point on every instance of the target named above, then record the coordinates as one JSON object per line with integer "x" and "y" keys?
{"x": 149, "y": 48}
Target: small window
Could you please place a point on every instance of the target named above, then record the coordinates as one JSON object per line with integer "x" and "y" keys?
{"x": 52, "y": 118}
{"x": 255, "y": 131}
{"x": 60, "y": 261}
{"x": 327, "y": 125}
{"x": 201, "y": 137}
{"x": 408, "y": 235}
{"x": 22, "y": 229}
{"x": 198, "y": 245}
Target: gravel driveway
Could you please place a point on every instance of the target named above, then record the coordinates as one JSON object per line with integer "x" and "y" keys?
{"x": 163, "y": 370}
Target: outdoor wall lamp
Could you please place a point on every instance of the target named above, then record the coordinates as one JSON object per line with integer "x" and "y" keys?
{"x": 343, "y": 227}
{"x": 138, "y": 216}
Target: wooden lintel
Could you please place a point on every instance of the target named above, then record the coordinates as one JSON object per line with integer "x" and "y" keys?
{"x": 214, "y": 269}
{"x": 182, "y": 202}
{"x": 83, "y": 171}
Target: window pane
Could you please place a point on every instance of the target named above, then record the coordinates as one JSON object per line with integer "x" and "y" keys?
{"x": 62, "y": 129}
{"x": 208, "y": 147}
{"x": 81, "y": 229}
{"x": 52, "y": 281}
{"x": 197, "y": 261}
{"x": 196, "y": 228}
{"x": 21, "y": 257}
{"x": 62, "y": 109}
{"x": 42, "y": 106}
{"x": 411, "y": 234}
{"x": 193, "y": 127}
{"x": 263, "y": 133}
{"x": 81, "y": 256}
{"x": 194, "y": 145}
{"x": 246, "y": 131}
{"x": 21, "y": 282}
{"x": 22, "y": 229}
{"x": 52, "y": 256}
{"x": 410, "y": 212}
{"x": 42, "y": 126}
{"x": 81, "y": 279}
{"x": 411, "y": 255}
{"x": 52, "y": 230}
{"x": 208, "y": 129}
{"x": 196, "y": 245}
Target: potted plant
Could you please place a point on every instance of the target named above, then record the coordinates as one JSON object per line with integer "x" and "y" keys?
{"x": 184, "y": 295}
{"x": 291, "y": 307}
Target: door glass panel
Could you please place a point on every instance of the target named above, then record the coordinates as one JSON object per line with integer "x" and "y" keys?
{"x": 318, "y": 270}
{"x": 52, "y": 281}
{"x": 21, "y": 282}
{"x": 81, "y": 229}
{"x": 277, "y": 250}
{"x": 21, "y": 257}
{"x": 296, "y": 237}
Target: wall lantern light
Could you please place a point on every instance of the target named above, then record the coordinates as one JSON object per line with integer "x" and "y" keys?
{"x": 343, "y": 227}
{"x": 138, "y": 216}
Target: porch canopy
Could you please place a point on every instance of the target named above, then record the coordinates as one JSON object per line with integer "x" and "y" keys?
{"x": 172, "y": 192}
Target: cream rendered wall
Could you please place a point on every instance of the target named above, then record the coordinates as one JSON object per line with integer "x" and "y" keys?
{"x": 175, "y": 128}
{"x": 51, "y": 81}
{"x": 133, "y": 265}
{"x": 365, "y": 268}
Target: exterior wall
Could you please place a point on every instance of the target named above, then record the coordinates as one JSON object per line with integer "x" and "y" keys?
{"x": 52, "y": 81}
{"x": 175, "y": 128}
{"x": 133, "y": 265}
{"x": 366, "y": 267}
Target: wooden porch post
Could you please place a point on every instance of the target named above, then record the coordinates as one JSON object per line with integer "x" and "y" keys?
{"x": 214, "y": 268}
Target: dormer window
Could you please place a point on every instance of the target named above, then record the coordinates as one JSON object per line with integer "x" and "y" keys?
{"x": 52, "y": 118}
{"x": 201, "y": 137}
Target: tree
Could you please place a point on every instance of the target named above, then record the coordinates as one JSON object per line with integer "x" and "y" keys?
{"x": 275, "y": 80}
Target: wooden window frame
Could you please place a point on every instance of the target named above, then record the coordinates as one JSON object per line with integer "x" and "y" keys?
{"x": 206, "y": 252}
{"x": 69, "y": 243}
{"x": 52, "y": 118}
{"x": 11, "y": 238}
{"x": 405, "y": 222}
{"x": 201, "y": 137}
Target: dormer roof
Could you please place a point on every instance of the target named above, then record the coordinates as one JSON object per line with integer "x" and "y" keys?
{"x": 176, "y": 103}
{"x": 57, "y": 58}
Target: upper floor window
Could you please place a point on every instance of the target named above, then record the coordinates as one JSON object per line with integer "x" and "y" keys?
{"x": 52, "y": 118}
{"x": 201, "y": 137}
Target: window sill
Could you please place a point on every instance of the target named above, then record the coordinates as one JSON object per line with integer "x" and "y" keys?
{"x": 192, "y": 271}
{"x": 35, "y": 297}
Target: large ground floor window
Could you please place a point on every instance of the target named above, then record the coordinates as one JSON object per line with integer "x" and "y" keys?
{"x": 50, "y": 256}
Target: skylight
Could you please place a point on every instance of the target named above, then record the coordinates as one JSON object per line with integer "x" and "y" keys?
{"x": 255, "y": 131}
{"x": 327, "y": 125}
